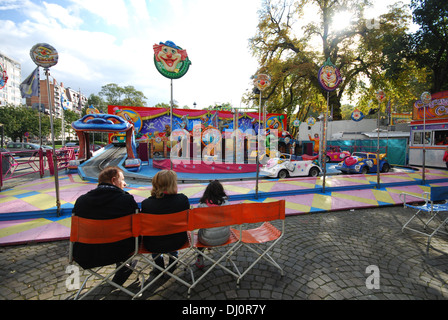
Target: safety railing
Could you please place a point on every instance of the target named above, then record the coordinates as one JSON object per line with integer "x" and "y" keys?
{"x": 17, "y": 164}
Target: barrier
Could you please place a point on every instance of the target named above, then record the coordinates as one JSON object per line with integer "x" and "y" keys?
{"x": 13, "y": 166}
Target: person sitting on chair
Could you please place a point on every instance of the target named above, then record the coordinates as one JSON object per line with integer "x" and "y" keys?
{"x": 107, "y": 201}
{"x": 164, "y": 199}
{"x": 214, "y": 195}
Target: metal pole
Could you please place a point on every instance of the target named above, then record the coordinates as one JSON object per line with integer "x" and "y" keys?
{"x": 171, "y": 119}
{"x": 378, "y": 147}
{"x": 40, "y": 111}
{"x": 324, "y": 143}
{"x": 258, "y": 151}
{"x": 55, "y": 163}
{"x": 424, "y": 143}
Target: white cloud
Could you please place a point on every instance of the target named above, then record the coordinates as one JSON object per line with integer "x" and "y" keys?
{"x": 113, "y": 12}
{"x": 62, "y": 15}
{"x": 214, "y": 33}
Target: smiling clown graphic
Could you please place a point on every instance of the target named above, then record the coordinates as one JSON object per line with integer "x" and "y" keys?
{"x": 171, "y": 60}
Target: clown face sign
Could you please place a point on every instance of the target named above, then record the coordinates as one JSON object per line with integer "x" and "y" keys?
{"x": 329, "y": 76}
{"x": 262, "y": 81}
{"x": 170, "y": 60}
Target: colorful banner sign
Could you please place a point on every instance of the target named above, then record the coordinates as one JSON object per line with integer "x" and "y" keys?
{"x": 436, "y": 109}
{"x": 153, "y": 123}
{"x": 44, "y": 55}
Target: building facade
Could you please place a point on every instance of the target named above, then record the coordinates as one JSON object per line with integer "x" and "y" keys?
{"x": 61, "y": 98}
{"x": 10, "y": 94}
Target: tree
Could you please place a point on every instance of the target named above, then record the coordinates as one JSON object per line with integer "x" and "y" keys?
{"x": 292, "y": 55}
{"x": 69, "y": 117}
{"x": 113, "y": 95}
{"x": 97, "y": 102}
{"x": 19, "y": 120}
{"x": 429, "y": 44}
{"x": 133, "y": 97}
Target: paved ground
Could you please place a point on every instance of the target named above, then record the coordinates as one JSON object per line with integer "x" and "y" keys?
{"x": 325, "y": 256}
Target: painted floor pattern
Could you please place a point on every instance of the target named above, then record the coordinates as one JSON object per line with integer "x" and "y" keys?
{"x": 28, "y": 212}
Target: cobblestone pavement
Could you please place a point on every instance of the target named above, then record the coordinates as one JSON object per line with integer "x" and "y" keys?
{"x": 325, "y": 257}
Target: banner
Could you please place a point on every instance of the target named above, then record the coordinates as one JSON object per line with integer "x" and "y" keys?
{"x": 30, "y": 86}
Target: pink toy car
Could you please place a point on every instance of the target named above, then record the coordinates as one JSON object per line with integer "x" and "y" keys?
{"x": 335, "y": 154}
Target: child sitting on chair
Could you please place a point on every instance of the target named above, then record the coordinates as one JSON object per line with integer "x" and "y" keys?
{"x": 214, "y": 195}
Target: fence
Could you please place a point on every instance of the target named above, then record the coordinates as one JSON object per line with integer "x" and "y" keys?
{"x": 399, "y": 156}
{"x": 18, "y": 163}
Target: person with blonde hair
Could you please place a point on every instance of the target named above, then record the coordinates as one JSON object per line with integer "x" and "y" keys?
{"x": 164, "y": 199}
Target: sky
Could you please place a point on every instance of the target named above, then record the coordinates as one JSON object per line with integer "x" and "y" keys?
{"x": 111, "y": 41}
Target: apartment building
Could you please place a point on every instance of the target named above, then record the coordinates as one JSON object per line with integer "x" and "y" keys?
{"x": 61, "y": 98}
{"x": 10, "y": 94}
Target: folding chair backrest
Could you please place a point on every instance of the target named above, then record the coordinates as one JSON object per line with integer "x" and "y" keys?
{"x": 439, "y": 193}
{"x": 263, "y": 211}
{"x": 147, "y": 224}
{"x": 101, "y": 231}
{"x": 216, "y": 216}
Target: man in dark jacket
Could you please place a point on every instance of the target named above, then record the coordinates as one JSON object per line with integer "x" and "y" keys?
{"x": 107, "y": 201}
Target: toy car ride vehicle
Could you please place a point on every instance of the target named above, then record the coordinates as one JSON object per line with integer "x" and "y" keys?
{"x": 282, "y": 167}
{"x": 336, "y": 154}
{"x": 363, "y": 162}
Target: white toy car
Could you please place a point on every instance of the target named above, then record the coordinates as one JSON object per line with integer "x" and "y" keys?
{"x": 283, "y": 167}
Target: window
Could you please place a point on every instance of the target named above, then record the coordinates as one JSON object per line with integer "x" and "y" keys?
{"x": 441, "y": 137}
{"x": 418, "y": 138}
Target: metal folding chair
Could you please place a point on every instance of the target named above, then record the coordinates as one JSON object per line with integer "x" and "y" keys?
{"x": 262, "y": 239}
{"x": 158, "y": 225}
{"x": 211, "y": 217}
{"x": 430, "y": 213}
{"x": 91, "y": 231}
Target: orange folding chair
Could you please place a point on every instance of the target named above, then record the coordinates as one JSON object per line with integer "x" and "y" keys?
{"x": 91, "y": 231}
{"x": 211, "y": 217}
{"x": 262, "y": 239}
{"x": 158, "y": 225}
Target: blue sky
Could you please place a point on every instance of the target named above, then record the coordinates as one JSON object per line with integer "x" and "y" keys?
{"x": 110, "y": 41}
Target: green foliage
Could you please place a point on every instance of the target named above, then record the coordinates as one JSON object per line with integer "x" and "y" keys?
{"x": 292, "y": 52}
{"x": 123, "y": 96}
{"x": 18, "y": 120}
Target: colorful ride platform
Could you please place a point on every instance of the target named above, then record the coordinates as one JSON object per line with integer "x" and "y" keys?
{"x": 28, "y": 212}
